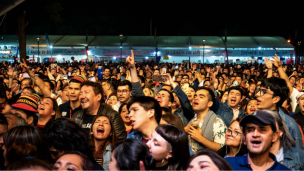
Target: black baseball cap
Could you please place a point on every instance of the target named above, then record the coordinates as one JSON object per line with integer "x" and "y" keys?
{"x": 261, "y": 118}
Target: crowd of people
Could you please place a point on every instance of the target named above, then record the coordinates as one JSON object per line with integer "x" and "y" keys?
{"x": 151, "y": 116}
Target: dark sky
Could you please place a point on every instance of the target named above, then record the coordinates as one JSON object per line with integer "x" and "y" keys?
{"x": 177, "y": 18}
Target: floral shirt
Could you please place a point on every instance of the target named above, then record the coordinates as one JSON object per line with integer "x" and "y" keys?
{"x": 218, "y": 133}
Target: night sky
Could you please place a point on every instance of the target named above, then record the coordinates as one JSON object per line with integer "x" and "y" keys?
{"x": 177, "y": 18}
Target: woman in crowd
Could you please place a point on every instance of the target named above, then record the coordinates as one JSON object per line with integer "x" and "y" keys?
{"x": 251, "y": 106}
{"x": 251, "y": 89}
{"x": 171, "y": 119}
{"x": 207, "y": 160}
{"x": 169, "y": 148}
{"x": 103, "y": 138}
{"x": 26, "y": 134}
{"x": 48, "y": 110}
{"x": 284, "y": 147}
{"x": 149, "y": 92}
{"x": 191, "y": 93}
{"x": 234, "y": 140}
{"x": 224, "y": 96}
{"x": 128, "y": 154}
{"x": 124, "y": 114}
{"x": 73, "y": 160}
{"x": 221, "y": 85}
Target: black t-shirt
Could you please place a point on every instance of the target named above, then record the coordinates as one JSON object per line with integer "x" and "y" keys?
{"x": 66, "y": 110}
{"x": 87, "y": 122}
{"x": 299, "y": 118}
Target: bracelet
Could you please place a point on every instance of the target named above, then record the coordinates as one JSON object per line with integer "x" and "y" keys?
{"x": 10, "y": 76}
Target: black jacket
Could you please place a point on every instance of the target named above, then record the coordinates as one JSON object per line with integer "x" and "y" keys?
{"x": 106, "y": 110}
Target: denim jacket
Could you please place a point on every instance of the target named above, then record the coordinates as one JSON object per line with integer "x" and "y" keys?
{"x": 185, "y": 113}
{"x": 293, "y": 129}
{"x": 107, "y": 156}
{"x": 294, "y": 159}
{"x": 224, "y": 111}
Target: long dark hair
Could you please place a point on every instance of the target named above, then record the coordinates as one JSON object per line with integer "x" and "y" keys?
{"x": 179, "y": 142}
{"x": 111, "y": 140}
{"x": 129, "y": 153}
{"x": 220, "y": 163}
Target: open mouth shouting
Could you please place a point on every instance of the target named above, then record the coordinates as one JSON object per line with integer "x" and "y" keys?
{"x": 256, "y": 143}
{"x": 100, "y": 130}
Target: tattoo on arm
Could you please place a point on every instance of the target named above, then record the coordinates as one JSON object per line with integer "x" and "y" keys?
{"x": 33, "y": 77}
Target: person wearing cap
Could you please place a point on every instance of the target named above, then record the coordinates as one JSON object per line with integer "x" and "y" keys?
{"x": 299, "y": 116}
{"x": 260, "y": 133}
{"x": 26, "y": 107}
{"x": 70, "y": 107}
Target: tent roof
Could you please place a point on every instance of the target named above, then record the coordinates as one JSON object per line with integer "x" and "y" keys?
{"x": 149, "y": 41}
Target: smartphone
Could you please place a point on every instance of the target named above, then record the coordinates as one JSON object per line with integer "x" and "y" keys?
{"x": 300, "y": 74}
{"x": 235, "y": 83}
{"x": 164, "y": 70}
{"x": 122, "y": 78}
{"x": 65, "y": 77}
{"x": 159, "y": 78}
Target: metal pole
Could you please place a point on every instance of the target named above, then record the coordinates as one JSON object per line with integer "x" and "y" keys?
{"x": 204, "y": 51}
{"x": 38, "y": 48}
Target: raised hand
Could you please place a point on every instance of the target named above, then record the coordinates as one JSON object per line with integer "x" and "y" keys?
{"x": 268, "y": 63}
{"x": 130, "y": 60}
{"x": 10, "y": 71}
{"x": 276, "y": 61}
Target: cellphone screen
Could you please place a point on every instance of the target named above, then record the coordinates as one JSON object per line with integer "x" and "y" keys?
{"x": 93, "y": 79}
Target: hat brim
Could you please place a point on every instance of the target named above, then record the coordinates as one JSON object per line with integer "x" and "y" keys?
{"x": 250, "y": 119}
{"x": 24, "y": 107}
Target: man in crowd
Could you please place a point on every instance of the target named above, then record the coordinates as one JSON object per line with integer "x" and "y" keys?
{"x": 124, "y": 91}
{"x": 206, "y": 129}
{"x": 260, "y": 133}
{"x": 90, "y": 99}
{"x": 73, "y": 105}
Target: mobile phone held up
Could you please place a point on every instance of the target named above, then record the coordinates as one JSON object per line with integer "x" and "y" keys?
{"x": 159, "y": 78}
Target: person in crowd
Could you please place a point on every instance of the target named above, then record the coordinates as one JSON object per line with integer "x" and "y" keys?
{"x": 69, "y": 132}
{"x": 124, "y": 91}
{"x": 224, "y": 96}
{"x": 27, "y": 91}
{"x": 229, "y": 110}
{"x": 128, "y": 155}
{"x": 26, "y": 107}
{"x": 171, "y": 119}
{"x": 168, "y": 147}
{"x": 251, "y": 106}
{"x": 26, "y": 134}
{"x": 271, "y": 95}
{"x": 124, "y": 114}
{"x": 145, "y": 114}
{"x": 106, "y": 73}
{"x": 30, "y": 164}
{"x": 108, "y": 88}
{"x": 299, "y": 116}
{"x": 48, "y": 110}
{"x": 191, "y": 93}
{"x": 90, "y": 100}
{"x": 14, "y": 120}
{"x": 234, "y": 140}
{"x": 103, "y": 138}
{"x": 65, "y": 93}
{"x": 69, "y": 108}
{"x": 284, "y": 147}
{"x": 4, "y": 102}
{"x": 149, "y": 92}
{"x": 206, "y": 129}
{"x": 207, "y": 159}
{"x": 113, "y": 101}
{"x": 259, "y": 134}
{"x": 73, "y": 160}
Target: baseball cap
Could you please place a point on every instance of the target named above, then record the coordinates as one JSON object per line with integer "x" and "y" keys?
{"x": 261, "y": 117}
{"x": 79, "y": 78}
{"x": 299, "y": 95}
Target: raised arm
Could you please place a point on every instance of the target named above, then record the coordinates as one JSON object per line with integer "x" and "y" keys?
{"x": 136, "y": 87}
{"x": 45, "y": 91}
{"x": 268, "y": 64}
{"x": 283, "y": 75}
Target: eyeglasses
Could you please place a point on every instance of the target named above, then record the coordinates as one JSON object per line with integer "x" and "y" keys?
{"x": 261, "y": 92}
{"x": 233, "y": 133}
{"x": 122, "y": 91}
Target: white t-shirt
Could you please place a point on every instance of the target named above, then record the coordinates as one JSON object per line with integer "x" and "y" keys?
{"x": 293, "y": 96}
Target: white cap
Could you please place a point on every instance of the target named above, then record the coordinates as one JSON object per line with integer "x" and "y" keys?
{"x": 299, "y": 95}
